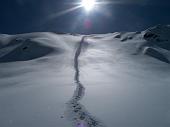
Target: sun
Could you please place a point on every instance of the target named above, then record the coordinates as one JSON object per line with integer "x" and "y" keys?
{"x": 88, "y": 4}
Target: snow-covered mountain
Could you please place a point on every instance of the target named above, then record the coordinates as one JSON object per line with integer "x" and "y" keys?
{"x": 119, "y": 79}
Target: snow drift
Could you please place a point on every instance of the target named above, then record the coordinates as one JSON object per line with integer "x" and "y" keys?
{"x": 154, "y": 42}
{"x": 101, "y": 80}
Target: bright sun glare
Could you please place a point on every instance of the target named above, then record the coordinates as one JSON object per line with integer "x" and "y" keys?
{"x": 88, "y": 4}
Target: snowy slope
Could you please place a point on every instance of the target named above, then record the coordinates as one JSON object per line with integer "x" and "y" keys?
{"x": 117, "y": 79}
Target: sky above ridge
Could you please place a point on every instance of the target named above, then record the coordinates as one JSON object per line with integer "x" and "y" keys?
{"x": 23, "y": 16}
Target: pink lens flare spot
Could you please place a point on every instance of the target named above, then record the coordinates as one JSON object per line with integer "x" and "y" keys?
{"x": 80, "y": 124}
{"x": 87, "y": 24}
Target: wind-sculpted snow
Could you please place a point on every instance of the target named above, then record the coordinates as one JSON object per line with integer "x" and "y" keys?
{"x": 153, "y": 52}
{"x": 25, "y": 50}
{"x": 158, "y": 40}
{"x": 158, "y": 33}
{"x": 26, "y": 47}
{"x": 158, "y": 36}
{"x": 64, "y": 80}
{"x": 76, "y": 112}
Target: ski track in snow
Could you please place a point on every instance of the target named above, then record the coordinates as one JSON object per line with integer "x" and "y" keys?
{"x": 76, "y": 112}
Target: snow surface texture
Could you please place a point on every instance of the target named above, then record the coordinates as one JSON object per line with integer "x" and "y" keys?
{"x": 77, "y": 112}
{"x": 122, "y": 79}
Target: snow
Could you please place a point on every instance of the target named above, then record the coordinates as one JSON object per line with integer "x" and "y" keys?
{"x": 102, "y": 80}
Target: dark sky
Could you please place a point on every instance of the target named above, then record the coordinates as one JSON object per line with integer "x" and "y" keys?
{"x": 23, "y": 16}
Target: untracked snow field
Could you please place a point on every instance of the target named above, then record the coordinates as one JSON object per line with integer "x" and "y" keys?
{"x": 117, "y": 79}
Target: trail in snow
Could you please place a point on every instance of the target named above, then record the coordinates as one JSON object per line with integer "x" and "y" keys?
{"x": 76, "y": 112}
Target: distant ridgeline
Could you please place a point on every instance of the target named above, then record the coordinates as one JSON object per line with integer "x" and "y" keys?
{"x": 153, "y": 42}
